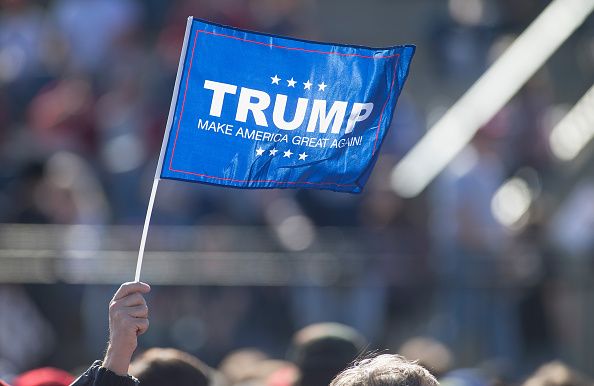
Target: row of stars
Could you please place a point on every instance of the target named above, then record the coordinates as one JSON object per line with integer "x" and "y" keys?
{"x": 291, "y": 83}
{"x": 286, "y": 154}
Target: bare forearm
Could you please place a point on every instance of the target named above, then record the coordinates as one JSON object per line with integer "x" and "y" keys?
{"x": 117, "y": 360}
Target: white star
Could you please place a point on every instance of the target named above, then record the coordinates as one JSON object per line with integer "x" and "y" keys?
{"x": 307, "y": 85}
{"x": 322, "y": 86}
{"x": 275, "y": 79}
{"x": 259, "y": 151}
{"x": 291, "y": 82}
{"x": 273, "y": 152}
{"x": 288, "y": 153}
{"x": 302, "y": 156}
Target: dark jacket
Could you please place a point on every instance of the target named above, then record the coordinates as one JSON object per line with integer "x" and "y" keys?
{"x": 100, "y": 376}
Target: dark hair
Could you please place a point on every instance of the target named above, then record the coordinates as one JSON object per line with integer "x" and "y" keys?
{"x": 170, "y": 367}
{"x": 385, "y": 370}
{"x": 321, "y": 350}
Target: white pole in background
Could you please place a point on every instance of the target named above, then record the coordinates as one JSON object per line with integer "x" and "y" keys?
{"x": 149, "y": 210}
{"x": 488, "y": 95}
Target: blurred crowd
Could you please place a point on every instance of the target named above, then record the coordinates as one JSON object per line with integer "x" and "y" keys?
{"x": 85, "y": 88}
{"x": 322, "y": 354}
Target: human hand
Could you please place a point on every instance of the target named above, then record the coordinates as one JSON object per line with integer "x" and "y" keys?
{"x": 128, "y": 318}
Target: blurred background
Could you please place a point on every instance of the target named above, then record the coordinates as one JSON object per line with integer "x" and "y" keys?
{"x": 493, "y": 263}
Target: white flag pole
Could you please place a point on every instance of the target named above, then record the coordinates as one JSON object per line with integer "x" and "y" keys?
{"x": 149, "y": 210}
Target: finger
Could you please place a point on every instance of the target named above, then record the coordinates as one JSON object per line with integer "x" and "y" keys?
{"x": 141, "y": 326}
{"x": 138, "y": 311}
{"x": 131, "y": 287}
{"x": 135, "y": 299}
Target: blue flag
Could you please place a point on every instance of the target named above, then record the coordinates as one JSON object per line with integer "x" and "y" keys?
{"x": 252, "y": 110}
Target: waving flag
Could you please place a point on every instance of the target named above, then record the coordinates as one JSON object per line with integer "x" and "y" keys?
{"x": 252, "y": 110}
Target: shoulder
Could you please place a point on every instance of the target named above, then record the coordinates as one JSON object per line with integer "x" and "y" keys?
{"x": 97, "y": 375}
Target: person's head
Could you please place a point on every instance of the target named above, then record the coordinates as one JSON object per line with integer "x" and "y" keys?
{"x": 557, "y": 374}
{"x": 45, "y": 376}
{"x": 321, "y": 350}
{"x": 239, "y": 366}
{"x": 171, "y": 367}
{"x": 252, "y": 366}
{"x": 385, "y": 370}
{"x": 429, "y": 353}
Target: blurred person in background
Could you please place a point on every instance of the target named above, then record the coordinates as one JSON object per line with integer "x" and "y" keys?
{"x": 429, "y": 353}
{"x": 239, "y": 366}
{"x": 70, "y": 192}
{"x": 321, "y": 350}
{"x": 23, "y": 36}
{"x": 46, "y": 376}
{"x": 25, "y": 334}
{"x": 567, "y": 303}
{"x": 91, "y": 29}
{"x": 61, "y": 116}
{"x": 478, "y": 316}
{"x": 357, "y": 295}
{"x": 171, "y": 367}
{"x": 557, "y": 374}
{"x": 466, "y": 377}
{"x": 24, "y": 183}
{"x": 251, "y": 367}
{"x": 385, "y": 370}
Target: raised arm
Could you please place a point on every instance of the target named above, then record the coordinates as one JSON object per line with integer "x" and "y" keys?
{"x": 128, "y": 318}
